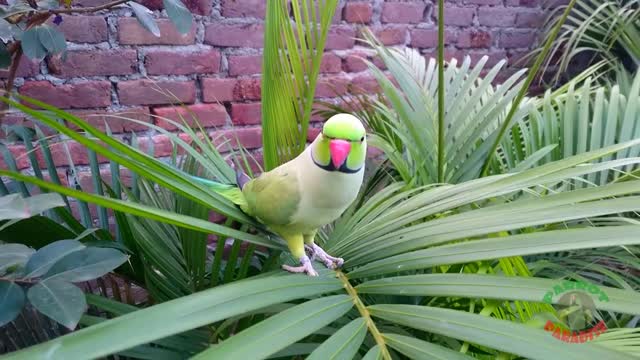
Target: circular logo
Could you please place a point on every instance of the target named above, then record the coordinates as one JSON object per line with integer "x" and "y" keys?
{"x": 577, "y": 309}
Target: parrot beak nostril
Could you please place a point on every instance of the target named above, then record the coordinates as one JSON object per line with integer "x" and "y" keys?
{"x": 339, "y": 150}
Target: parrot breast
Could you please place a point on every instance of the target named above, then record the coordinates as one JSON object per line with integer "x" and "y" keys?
{"x": 325, "y": 195}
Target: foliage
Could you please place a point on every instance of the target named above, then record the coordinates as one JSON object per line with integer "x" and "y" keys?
{"x": 50, "y": 271}
{"x": 432, "y": 269}
{"x": 291, "y": 65}
{"x": 575, "y": 121}
{"x": 606, "y": 30}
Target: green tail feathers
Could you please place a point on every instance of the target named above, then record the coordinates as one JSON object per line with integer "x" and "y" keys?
{"x": 231, "y": 192}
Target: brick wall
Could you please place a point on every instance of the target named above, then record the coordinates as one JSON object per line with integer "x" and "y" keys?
{"x": 215, "y": 68}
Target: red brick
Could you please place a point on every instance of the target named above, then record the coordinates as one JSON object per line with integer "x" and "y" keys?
{"x": 89, "y": 94}
{"x": 354, "y": 62}
{"x": 250, "y": 138}
{"x": 428, "y": 38}
{"x": 340, "y": 37}
{"x": 19, "y": 153}
{"x": 181, "y": 62}
{"x": 403, "y": 12}
{"x": 246, "y": 114}
{"x": 497, "y": 16}
{"x": 391, "y": 34}
{"x": 245, "y": 65}
{"x": 84, "y": 29}
{"x": 247, "y": 89}
{"x": 328, "y": 86}
{"x": 518, "y": 57}
{"x": 27, "y": 68}
{"x": 235, "y": 35}
{"x": 130, "y": 32}
{"x": 528, "y": 3}
{"x": 218, "y": 90}
{"x": 244, "y": 8}
{"x": 96, "y": 63}
{"x": 529, "y": 19}
{"x": 365, "y": 84}
{"x": 456, "y": 16}
{"x": 358, "y": 12}
{"x": 207, "y": 115}
{"x": 517, "y": 39}
{"x": 200, "y": 7}
{"x": 474, "y": 39}
{"x": 330, "y": 63}
{"x": 117, "y": 120}
{"x": 483, "y": 2}
{"x": 149, "y": 92}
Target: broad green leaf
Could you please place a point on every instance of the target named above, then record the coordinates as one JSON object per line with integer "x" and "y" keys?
{"x": 6, "y": 31}
{"x": 31, "y": 45}
{"x": 343, "y": 344}
{"x": 498, "y": 287}
{"x": 11, "y": 301}
{"x": 13, "y": 255}
{"x": 422, "y": 350}
{"x": 86, "y": 264}
{"x": 13, "y": 206}
{"x": 281, "y": 330}
{"x": 47, "y": 256}
{"x": 145, "y": 18}
{"x": 179, "y": 15}
{"x": 373, "y": 354}
{"x": 502, "y": 335}
{"x": 176, "y": 316}
{"x": 52, "y": 39}
{"x": 59, "y": 300}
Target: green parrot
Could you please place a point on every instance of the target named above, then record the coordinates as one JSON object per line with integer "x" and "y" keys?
{"x": 297, "y": 198}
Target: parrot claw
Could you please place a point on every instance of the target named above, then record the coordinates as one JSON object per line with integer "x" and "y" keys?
{"x": 306, "y": 267}
{"x": 328, "y": 260}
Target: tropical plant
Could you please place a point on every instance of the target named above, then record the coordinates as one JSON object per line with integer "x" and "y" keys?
{"x": 428, "y": 269}
{"x": 50, "y": 271}
{"x": 598, "y": 29}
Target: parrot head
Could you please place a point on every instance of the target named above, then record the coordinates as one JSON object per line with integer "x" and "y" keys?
{"x": 342, "y": 144}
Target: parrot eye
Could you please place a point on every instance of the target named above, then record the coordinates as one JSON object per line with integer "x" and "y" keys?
{"x": 362, "y": 139}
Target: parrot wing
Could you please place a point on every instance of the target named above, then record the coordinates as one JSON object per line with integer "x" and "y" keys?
{"x": 274, "y": 196}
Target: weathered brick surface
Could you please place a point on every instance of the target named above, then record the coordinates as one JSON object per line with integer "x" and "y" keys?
{"x": 245, "y": 64}
{"x": 169, "y": 62}
{"x": 234, "y": 35}
{"x": 87, "y": 94}
{"x": 148, "y": 92}
{"x": 358, "y": 12}
{"x": 130, "y": 32}
{"x": 96, "y": 63}
{"x": 114, "y": 66}
{"x": 84, "y": 29}
{"x": 206, "y": 115}
{"x": 403, "y": 12}
{"x": 244, "y": 8}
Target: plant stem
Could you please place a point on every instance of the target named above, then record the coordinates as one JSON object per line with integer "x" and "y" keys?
{"x": 525, "y": 87}
{"x": 88, "y": 9}
{"x": 377, "y": 336}
{"x": 441, "y": 91}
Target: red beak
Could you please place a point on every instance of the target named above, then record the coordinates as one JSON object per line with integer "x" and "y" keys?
{"x": 339, "y": 151}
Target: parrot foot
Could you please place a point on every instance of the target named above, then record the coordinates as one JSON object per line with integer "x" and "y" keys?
{"x": 328, "y": 260}
{"x": 306, "y": 267}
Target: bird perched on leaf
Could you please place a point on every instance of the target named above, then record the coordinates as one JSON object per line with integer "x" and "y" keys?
{"x": 297, "y": 198}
